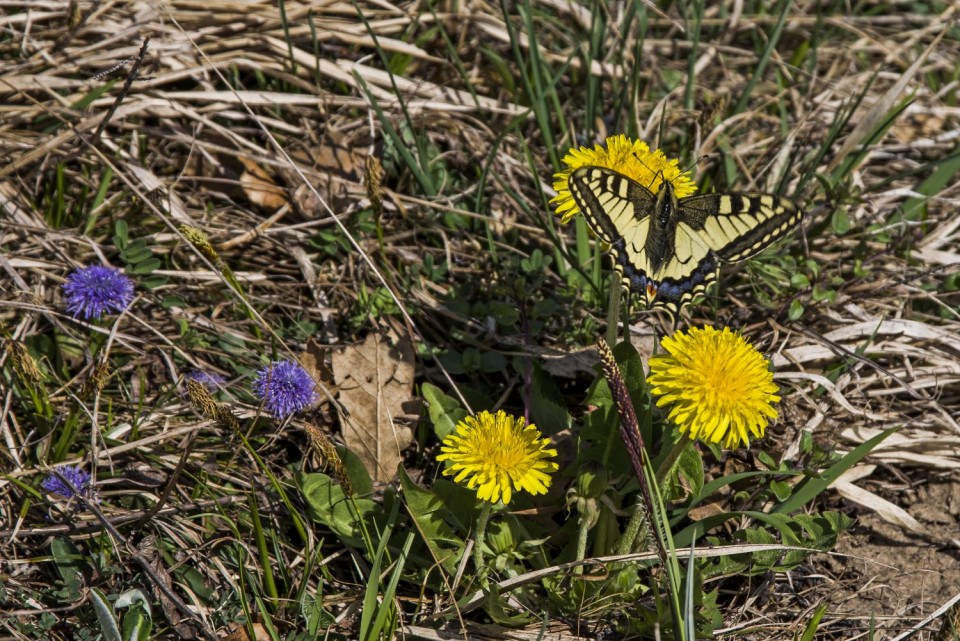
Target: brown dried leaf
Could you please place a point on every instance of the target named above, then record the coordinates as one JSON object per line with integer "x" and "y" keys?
{"x": 375, "y": 380}
{"x": 314, "y": 361}
{"x": 259, "y": 187}
{"x": 239, "y": 633}
{"x": 705, "y": 511}
{"x": 886, "y": 510}
{"x": 339, "y": 166}
{"x": 917, "y": 126}
{"x": 334, "y": 158}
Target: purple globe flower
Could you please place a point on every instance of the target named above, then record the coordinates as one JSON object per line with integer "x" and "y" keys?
{"x": 77, "y": 477}
{"x": 284, "y": 388}
{"x": 91, "y": 291}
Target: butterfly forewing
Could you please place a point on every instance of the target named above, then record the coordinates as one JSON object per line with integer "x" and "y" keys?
{"x": 668, "y": 249}
{"x": 610, "y": 202}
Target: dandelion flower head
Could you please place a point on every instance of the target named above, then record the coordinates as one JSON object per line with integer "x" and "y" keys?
{"x": 284, "y": 388}
{"x": 719, "y": 386}
{"x": 498, "y": 454}
{"x": 632, "y": 158}
{"x": 92, "y": 291}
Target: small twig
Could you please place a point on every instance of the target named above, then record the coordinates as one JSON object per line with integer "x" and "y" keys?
{"x": 172, "y": 483}
{"x": 133, "y": 75}
{"x": 147, "y": 568}
{"x": 95, "y": 527}
{"x": 107, "y": 72}
{"x": 840, "y": 350}
{"x": 137, "y": 556}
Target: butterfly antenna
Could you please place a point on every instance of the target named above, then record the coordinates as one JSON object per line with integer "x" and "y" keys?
{"x": 656, "y": 174}
{"x": 696, "y": 162}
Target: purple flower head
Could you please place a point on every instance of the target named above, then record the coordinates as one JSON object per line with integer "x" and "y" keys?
{"x": 91, "y": 291}
{"x": 284, "y": 388}
{"x": 210, "y": 380}
{"x": 77, "y": 477}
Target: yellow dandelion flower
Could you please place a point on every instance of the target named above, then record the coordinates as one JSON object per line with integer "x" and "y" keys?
{"x": 720, "y": 386}
{"x": 632, "y": 158}
{"x": 498, "y": 454}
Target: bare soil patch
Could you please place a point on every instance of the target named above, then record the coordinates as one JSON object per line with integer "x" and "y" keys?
{"x": 894, "y": 576}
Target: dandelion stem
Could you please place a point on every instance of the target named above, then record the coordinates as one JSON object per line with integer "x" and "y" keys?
{"x": 486, "y": 507}
{"x": 582, "y": 535}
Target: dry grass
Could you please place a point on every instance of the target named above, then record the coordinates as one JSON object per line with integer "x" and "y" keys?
{"x": 240, "y": 130}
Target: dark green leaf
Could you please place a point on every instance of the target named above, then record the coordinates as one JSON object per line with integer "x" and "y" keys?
{"x": 328, "y": 504}
{"x": 840, "y": 221}
{"x": 105, "y": 616}
{"x": 356, "y": 472}
{"x": 426, "y": 509}
{"x": 146, "y": 266}
{"x": 445, "y": 412}
{"x": 491, "y": 362}
{"x": 690, "y": 465}
{"x": 780, "y": 489}
{"x": 137, "y": 621}
{"x": 796, "y": 310}
{"x": 70, "y": 564}
{"x": 547, "y": 409}
{"x": 135, "y": 254}
{"x": 121, "y": 236}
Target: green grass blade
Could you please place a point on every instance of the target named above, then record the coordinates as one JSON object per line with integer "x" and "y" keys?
{"x": 810, "y": 631}
{"x": 944, "y": 174}
{"x": 768, "y": 50}
{"x": 373, "y": 617}
{"x": 390, "y": 591}
{"x": 812, "y": 487}
{"x": 880, "y": 111}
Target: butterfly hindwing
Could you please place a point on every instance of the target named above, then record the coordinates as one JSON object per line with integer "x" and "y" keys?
{"x": 668, "y": 249}
{"x": 617, "y": 209}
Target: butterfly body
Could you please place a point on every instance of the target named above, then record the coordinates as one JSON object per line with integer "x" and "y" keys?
{"x": 668, "y": 249}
